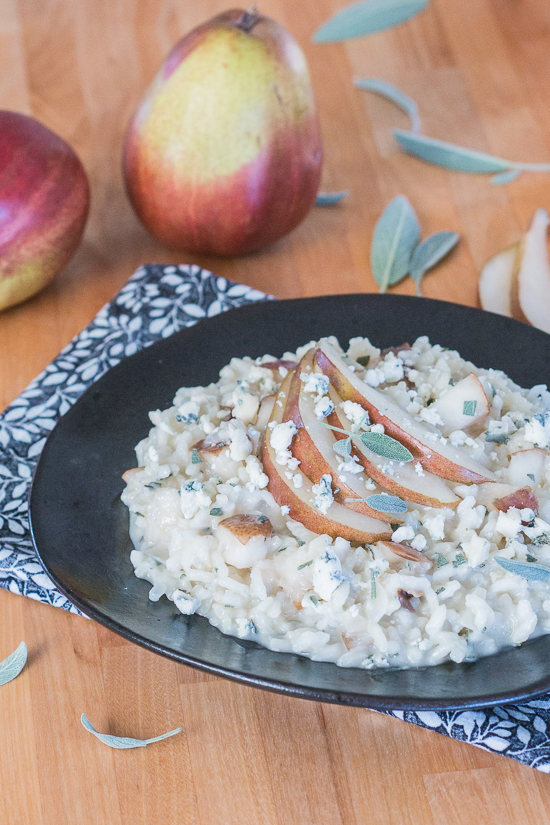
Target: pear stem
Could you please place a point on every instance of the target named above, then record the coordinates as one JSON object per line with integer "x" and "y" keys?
{"x": 248, "y": 19}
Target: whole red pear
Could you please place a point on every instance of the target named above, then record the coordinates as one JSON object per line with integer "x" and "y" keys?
{"x": 224, "y": 153}
{"x": 44, "y": 200}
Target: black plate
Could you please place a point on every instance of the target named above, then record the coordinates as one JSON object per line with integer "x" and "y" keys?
{"x": 80, "y": 527}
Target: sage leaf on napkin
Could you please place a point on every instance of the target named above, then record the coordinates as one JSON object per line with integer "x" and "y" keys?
{"x": 459, "y": 158}
{"x": 330, "y": 198}
{"x": 396, "y": 235}
{"x": 429, "y": 253}
{"x": 367, "y": 17}
{"x": 13, "y": 664}
{"x": 123, "y": 742}
{"x": 528, "y": 570}
{"x": 395, "y": 95}
{"x": 385, "y": 446}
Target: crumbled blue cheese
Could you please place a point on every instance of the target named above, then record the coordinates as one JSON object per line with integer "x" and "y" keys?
{"x": 377, "y": 428}
{"x": 431, "y": 416}
{"x": 258, "y": 479}
{"x": 537, "y": 431}
{"x": 193, "y": 498}
{"x": 245, "y": 405}
{"x": 403, "y": 533}
{"x": 418, "y": 469}
{"x": 188, "y": 412}
{"x": 350, "y": 466}
{"x": 476, "y": 550}
{"x": 315, "y": 382}
{"x": 323, "y": 494}
{"x": 240, "y": 446}
{"x": 509, "y": 523}
{"x": 185, "y": 603}
{"x": 419, "y": 542}
{"x": 356, "y": 414}
{"x": 323, "y": 407}
{"x": 282, "y": 435}
{"x": 326, "y": 574}
{"x": 388, "y": 371}
{"x": 296, "y": 478}
{"x": 435, "y": 525}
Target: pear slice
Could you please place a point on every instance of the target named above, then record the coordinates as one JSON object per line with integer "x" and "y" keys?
{"x": 401, "y": 479}
{"x": 488, "y": 493}
{"x": 394, "y": 550}
{"x": 314, "y": 444}
{"x": 525, "y": 467}
{"x": 497, "y": 281}
{"x": 467, "y": 395}
{"x": 520, "y": 499}
{"x": 244, "y": 526}
{"x": 338, "y": 520}
{"x": 440, "y": 458}
{"x": 534, "y": 273}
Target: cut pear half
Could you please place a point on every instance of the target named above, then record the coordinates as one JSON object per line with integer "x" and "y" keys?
{"x": 427, "y": 446}
{"x": 314, "y": 444}
{"x": 534, "y": 273}
{"x": 338, "y": 520}
{"x": 401, "y": 479}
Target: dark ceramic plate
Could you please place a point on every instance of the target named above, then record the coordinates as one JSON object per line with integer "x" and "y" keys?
{"x": 80, "y": 527}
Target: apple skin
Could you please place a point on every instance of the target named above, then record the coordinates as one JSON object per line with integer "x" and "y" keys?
{"x": 44, "y": 201}
{"x": 224, "y": 153}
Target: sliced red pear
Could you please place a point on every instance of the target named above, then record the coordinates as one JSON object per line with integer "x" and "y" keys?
{"x": 526, "y": 466}
{"x": 338, "y": 520}
{"x": 463, "y": 407}
{"x": 393, "y": 551}
{"x": 443, "y": 459}
{"x": 488, "y": 493}
{"x": 534, "y": 273}
{"x": 264, "y": 413}
{"x": 428, "y": 489}
{"x": 496, "y": 282}
{"x": 274, "y": 365}
{"x": 520, "y": 499}
{"x": 313, "y": 446}
{"x": 245, "y": 526}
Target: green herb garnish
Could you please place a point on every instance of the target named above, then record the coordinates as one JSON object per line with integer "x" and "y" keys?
{"x": 441, "y": 560}
{"x": 469, "y": 408}
{"x": 305, "y": 564}
{"x": 195, "y": 457}
{"x": 13, "y": 664}
{"x": 459, "y": 559}
{"x": 216, "y": 511}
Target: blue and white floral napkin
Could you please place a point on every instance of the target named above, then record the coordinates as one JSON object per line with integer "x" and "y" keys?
{"x": 156, "y": 302}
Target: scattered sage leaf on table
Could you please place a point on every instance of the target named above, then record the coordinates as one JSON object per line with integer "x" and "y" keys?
{"x": 330, "y": 198}
{"x": 122, "y": 742}
{"x": 395, "y": 237}
{"x": 461, "y": 159}
{"x": 429, "y": 253}
{"x": 367, "y": 17}
{"x": 386, "y": 447}
{"x": 13, "y": 664}
{"x": 505, "y": 177}
{"x": 391, "y": 92}
{"x": 533, "y": 572}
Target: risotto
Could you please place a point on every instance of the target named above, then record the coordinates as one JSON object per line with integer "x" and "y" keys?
{"x": 367, "y": 508}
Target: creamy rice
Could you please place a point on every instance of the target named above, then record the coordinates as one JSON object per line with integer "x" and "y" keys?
{"x": 357, "y": 605}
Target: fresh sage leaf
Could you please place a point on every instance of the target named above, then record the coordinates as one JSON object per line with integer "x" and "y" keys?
{"x": 391, "y": 92}
{"x": 505, "y": 177}
{"x": 342, "y": 447}
{"x": 330, "y": 198}
{"x": 13, "y": 664}
{"x": 367, "y": 17}
{"x": 122, "y": 742}
{"x": 429, "y": 253}
{"x": 528, "y": 570}
{"x": 459, "y": 158}
{"x": 386, "y": 447}
{"x": 396, "y": 235}
{"x": 386, "y": 504}
{"x": 469, "y": 408}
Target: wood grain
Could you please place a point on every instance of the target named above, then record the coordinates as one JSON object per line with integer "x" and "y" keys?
{"x": 481, "y": 76}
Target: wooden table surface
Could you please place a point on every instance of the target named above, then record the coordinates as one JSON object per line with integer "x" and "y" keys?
{"x": 480, "y": 72}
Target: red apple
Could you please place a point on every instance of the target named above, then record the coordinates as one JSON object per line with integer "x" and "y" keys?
{"x": 44, "y": 200}
{"x": 224, "y": 154}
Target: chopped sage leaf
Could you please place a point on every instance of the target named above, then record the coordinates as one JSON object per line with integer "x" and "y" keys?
{"x": 300, "y": 543}
{"x": 390, "y": 92}
{"x": 315, "y": 600}
{"x": 498, "y": 438}
{"x": 363, "y": 360}
{"x": 13, "y": 664}
{"x": 439, "y": 590}
{"x": 216, "y": 511}
{"x": 459, "y": 559}
{"x": 386, "y": 447}
{"x": 441, "y": 560}
{"x": 305, "y": 564}
{"x": 469, "y": 408}
{"x": 122, "y": 742}
{"x": 531, "y": 476}
{"x": 395, "y": 237}
{"x": 531, "y": 558}
{"x": 195, "y": 457}
{"x": 153, "y": 484}
{"x": 528, "y": 570}
{"x": 372, "y": 584}
{"x": 367, "y": 17}
{"x": 330, "y": 198}
{"x": 394, "y": 526}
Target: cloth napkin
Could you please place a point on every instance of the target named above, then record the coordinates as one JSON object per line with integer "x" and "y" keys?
{"x": 156, "y": 302}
